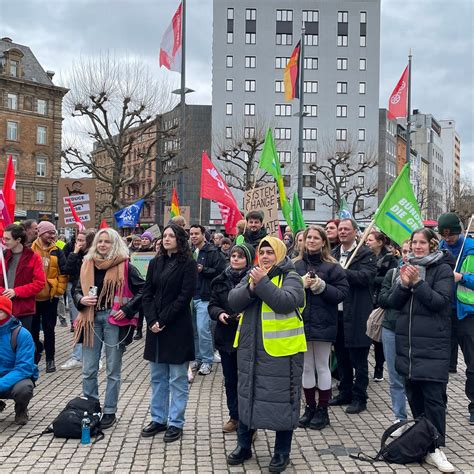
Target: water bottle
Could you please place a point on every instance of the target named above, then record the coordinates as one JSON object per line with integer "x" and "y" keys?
{"x": 86, "y": 429}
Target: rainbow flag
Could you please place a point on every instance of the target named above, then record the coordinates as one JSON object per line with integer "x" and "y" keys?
{"x": 291, "y": 76}
{"x": 174, "y": 210}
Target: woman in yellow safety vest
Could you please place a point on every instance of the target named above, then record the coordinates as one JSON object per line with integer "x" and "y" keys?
{"x": 270, "y": 343}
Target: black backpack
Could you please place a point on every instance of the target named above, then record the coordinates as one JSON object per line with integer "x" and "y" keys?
{"x": 68, "y": 424}
{"x": 411, "y": 446}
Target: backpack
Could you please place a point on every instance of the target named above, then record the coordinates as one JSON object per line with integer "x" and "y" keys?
{"x": 68, "y": 424}
{"x": 411, "y": 446}
{"x": 14, "y": 337}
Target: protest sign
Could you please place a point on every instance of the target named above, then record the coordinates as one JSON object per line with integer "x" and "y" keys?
{"x": 264, "y": 199}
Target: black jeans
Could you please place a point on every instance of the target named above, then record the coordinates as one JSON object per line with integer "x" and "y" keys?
{"x": 428, "y": 399}
{"x": 229, "y": 368}
{"x": 379, "y": 356}
{"x": 282, "y": 439}
{"x": 21, "y": 393}
{"x": 453, "y": 362}
{"x": 350, "y": 360}
{"x": 466, "y": 341}
{"x": 45, "y": 318}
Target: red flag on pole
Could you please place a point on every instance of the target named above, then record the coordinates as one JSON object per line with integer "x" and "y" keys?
{"x": 103, "y": 224}
{"x": 170, "y": 47}
{"x": 397, "y": 104}
{"x": 80, "y": 225}
{"x": 213, "y": 187}
{"x": 9, "y": 189}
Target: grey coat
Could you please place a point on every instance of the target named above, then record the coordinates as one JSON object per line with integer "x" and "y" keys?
{"x": 269, "y": 388}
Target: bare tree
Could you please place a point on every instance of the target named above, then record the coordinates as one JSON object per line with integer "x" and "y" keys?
{"x": 421, "y": 193}
{"x": 338, "y": 170}
{"x": 116, "y": 100}
{"x": 463, "y": 200}
{"x": 238, "y": 148}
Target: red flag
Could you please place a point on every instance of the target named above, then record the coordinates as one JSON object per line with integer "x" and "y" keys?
{"x": 213, "y": 187}
{"x": 291, "y": 76}
{"x": 103, "y": 224}
{"x": 170, "y": 47}
{"x": 80, "y": 225}
{"x": 398, "y": 102}
{"x": 9, "y": 189}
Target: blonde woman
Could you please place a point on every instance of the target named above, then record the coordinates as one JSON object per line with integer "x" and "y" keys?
{"x": 106, "y": 276}
{"x": 326, "y": 286}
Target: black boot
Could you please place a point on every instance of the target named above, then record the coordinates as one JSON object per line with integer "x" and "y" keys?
{"x": 307, "y": 416}
{"x": 320, "y": 419}
{"x": 238, "y": 456}
{"x": 50, "y": 366}
{"x": 138, "y": 334}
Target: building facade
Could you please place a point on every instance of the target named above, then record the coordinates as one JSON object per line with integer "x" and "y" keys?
{"x": 451, "y": 144}
{"x": 387, "y": 169}
{"x": 252, "y": 43}
{"x": 30, "y": 129}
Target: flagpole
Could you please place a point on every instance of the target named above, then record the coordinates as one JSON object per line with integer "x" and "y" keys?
{"x": 301, "y": 116}
{"x": 361, "y": 242}
{"x": 466, "y": 233}
{"x": 409, "y": 110}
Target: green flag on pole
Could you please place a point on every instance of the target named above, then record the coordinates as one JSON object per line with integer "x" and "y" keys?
{"x": 297, "y": 216}
{"x": 271, "y": 164}
{"x": 399, "y": 214}
{"x": 344, "y": 212}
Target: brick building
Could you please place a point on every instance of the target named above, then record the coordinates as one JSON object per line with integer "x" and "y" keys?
{"x": 30, "y": 128}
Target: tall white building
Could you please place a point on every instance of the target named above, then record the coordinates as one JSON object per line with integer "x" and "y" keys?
{"x": 451, "y": 145}
{"x": 252, "y": 43}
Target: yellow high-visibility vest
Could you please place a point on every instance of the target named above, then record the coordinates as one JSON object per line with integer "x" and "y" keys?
{"x": 282, "y": 334}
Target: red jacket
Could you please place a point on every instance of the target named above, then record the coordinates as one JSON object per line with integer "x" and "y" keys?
{"x": 29, "y": 281}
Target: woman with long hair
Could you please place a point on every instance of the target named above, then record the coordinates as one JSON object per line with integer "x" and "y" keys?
{"x": 377, "y": 242}
{"x": 241, "y": 259}
{"x": 423, "y": 294}
{"x": 24, "y": 274}
{"x": 82, "y": 244}
{"x": 270, "y": 343}
{"x": 169, "y": 346}
{"x": 326, "y": 286}
{"x": 107, "y": 297}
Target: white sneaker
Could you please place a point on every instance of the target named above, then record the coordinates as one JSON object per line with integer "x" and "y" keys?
{"x": 205, "y": 369}
{"x": 438, "y": 459}
{"x": 400, "y": 430}
{"x": 71, "y": 364}
{"x": 101, "y": 364}
{"x": 217, "y": 357}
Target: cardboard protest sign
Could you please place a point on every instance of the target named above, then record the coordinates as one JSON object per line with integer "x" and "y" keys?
{"x": 185, "y": 212}
{"x": 264, "y": 199}
{"x": 81, "y": 192}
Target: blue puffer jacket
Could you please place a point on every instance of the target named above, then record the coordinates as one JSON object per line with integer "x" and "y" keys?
{"x": 19, "y": 365}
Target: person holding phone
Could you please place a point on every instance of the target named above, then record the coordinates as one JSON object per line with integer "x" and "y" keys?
{"x": 169, "y": 346}
{"x": 105, "y": 277}
{"x": 326, "y": 286}
{"x": 423, "y": 294}
{"x": 241, "y": 259}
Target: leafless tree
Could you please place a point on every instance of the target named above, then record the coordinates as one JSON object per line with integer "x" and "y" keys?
{"x": 463, "y": 200}
{"x": 115, "y": 101}
{"x": 337, "y": 171}
{"x": 238, "y": 148}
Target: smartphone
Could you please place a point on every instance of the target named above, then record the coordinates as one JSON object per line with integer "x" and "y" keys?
{"x": 93, "y": 291}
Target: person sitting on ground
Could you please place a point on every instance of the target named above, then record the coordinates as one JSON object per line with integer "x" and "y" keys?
{"x": 18, "y": 370}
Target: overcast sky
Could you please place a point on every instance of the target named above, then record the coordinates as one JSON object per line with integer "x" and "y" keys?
{"x": 440, "y": 33}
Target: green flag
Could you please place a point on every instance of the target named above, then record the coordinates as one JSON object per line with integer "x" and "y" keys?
{"x": 297, "y": 216}
{"x": 399, "y": 214}
{"x": 344, "y": 212}
{"x": 271, "y": 164}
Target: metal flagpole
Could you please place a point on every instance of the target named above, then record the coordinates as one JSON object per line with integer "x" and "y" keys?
{"x": 301, "y": 116}
{"x": 409, "y": 110}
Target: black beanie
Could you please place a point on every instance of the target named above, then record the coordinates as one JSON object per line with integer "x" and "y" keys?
{"x": 449, "y": 221}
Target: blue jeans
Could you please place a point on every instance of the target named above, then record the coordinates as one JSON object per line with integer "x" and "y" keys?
{"x": 202, "y": 332}
{"x": 73, "y": 312}
{"x": 169, "y": 393}
{"x": 397, "y": 382}
{"x": 108, "y": 334}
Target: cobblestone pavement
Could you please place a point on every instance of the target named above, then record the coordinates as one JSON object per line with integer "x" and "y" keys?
{"x": 203, "y": 447}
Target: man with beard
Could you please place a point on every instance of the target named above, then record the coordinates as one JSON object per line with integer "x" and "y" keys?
{"x": 255, "y": 231}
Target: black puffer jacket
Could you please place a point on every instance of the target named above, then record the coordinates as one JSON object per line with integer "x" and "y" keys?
{"x": 224, "y": 334}
{"x": 320, "y": 313}
{"x": 423, "y": 328}
{"x": 213, "y": 262}
{"x": 358, "y": 304}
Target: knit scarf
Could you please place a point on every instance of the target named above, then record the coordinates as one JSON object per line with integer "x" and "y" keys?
{"x": 425, "y": 261}
{"x": 114, "y": 281}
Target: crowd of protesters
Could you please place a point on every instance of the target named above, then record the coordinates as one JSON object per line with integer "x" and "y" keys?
{"x": 277, "y": 314}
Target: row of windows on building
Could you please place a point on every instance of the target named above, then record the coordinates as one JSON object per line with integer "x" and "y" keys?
{"x": 284, "y": 27}
{"x": 13, "y": 132}
{"x": 30, "y": 104}
{"x": 41, "y": 162}
{"x": 310, "y": 205}
{"x": 286, "y": 110}
{"x": 25, "y": 194}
